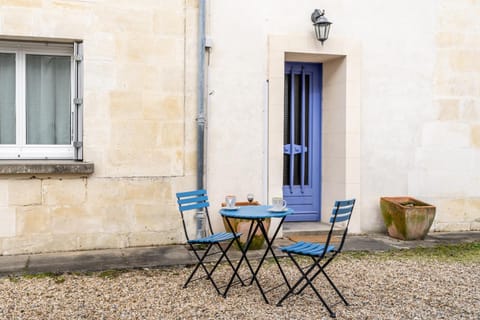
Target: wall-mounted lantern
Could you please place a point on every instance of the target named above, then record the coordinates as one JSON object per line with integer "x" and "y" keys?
{"x": 321, "y": 25}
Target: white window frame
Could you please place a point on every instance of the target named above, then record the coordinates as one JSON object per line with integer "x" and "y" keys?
{"x": 21, "y": 150}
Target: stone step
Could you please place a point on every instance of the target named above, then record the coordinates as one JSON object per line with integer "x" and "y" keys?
{"x": 305, "y": 228}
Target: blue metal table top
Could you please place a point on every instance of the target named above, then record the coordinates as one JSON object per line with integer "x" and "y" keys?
{"x": 254, "y": 212}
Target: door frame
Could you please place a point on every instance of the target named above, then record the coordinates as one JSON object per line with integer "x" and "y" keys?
{"x": 340, "y": 160}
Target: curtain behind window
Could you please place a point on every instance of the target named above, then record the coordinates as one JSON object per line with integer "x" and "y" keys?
{"x": 48, "y": 99}
{"x": 7, "y": 98}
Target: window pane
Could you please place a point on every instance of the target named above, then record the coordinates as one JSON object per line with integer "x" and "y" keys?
{"x": 286, "y": 128}
{"x": 7, "y": 98}
{"x": 48, "y": 99}
{"x": 301, "y": 127}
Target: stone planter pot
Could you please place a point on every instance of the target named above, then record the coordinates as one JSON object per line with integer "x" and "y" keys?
{"x": 243, "y": 225}
{"x": 407, "y": 218}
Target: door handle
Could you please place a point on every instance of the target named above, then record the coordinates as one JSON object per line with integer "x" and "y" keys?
{"x": 287, "y": 149}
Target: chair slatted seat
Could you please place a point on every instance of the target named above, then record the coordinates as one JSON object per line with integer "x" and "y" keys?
{"x": 321, "y": 254}
{"x": 195, "y": 201}
{"x": 217, "y": 237}
{"x": 307, "y": 248}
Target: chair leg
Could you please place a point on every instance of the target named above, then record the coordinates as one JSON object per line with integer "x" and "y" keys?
{"x": 239, "y": 263}
{"x": 224, "y": 254}
{"x": 335, "y": 287}
{"x": 316, "y": 262}
{"x": 197, "y": 265}
{"x": 332, "y": 314}
{"x": 304, "y": 276}
{"x": 313, "y": 265}
{"x": 322, "y": 270}
{"x": 299, "y": 281}
{"x": 210, "y": 273}
{"x": 201, "y": 264}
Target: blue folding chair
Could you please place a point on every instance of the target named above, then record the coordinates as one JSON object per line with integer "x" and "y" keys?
{"x": 321, "y": 254}
{"x": 198, "y": 201}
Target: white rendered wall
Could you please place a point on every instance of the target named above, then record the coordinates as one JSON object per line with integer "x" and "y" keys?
{"x": 403, "y": 133}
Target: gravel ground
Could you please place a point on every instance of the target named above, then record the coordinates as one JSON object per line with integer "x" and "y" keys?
{"x": 377, "y": 288}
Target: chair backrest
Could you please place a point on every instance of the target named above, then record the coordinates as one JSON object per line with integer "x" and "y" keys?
{"x": 195, "y": 201}
{"x": 341, "y": 213}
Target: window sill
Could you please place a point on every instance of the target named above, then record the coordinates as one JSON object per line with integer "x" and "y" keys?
{"x": 42, "y": 167}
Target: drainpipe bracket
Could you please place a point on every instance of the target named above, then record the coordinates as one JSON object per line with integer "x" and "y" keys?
{"x": 208, "y": 43}
{"x": 201, "y": 120}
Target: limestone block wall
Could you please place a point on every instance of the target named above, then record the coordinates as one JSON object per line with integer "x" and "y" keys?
{"x": 76, "y": 213}
{"x": 139, "y": 126}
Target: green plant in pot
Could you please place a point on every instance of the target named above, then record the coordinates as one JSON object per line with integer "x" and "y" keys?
{"x": 243, "y": 226}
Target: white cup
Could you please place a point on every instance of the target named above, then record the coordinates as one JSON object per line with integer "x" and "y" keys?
{"x": 279, "y": 204}
{"x": 230, "y": 201}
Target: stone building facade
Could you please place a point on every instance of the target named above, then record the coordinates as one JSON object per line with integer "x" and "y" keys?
{"x": 400, "y": 112}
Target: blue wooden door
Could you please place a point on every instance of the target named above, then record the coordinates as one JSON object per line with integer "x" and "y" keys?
{"x": 302, "y": 140}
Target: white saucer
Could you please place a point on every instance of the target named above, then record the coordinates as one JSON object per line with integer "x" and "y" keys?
{"x": 278, "y": 210}
{"x": 228, "y": 208}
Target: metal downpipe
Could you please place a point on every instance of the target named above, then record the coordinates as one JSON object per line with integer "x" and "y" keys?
{"x": 199, "y": 216}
